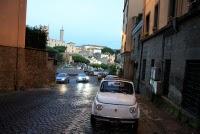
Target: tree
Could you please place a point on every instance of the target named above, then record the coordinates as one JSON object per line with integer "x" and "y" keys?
{"x": 36, "y": 37}
{"x": 104, "y": 66}
{"x": 113, "y": 69}
{"x": 61, "y": 49}
{"x": 80, "y": 59}
{"x": 96, "y": 65}
{"x": 60, "y": 58}
{"x": 54, "y": 53}
{"x": 107, "y": 50}
{"x": 52, "y": 50}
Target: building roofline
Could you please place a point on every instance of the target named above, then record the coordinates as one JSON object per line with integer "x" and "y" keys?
{"x": 71, "y": 43}
{"x": 93, "y": 45}
{"x": 179, "y": 20}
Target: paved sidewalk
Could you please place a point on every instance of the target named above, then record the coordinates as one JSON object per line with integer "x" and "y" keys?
{"x": 157, "y": 121}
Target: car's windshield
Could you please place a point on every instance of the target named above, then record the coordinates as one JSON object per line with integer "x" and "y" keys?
{"x": 117, "y": 87}
{"x": 61, "y": 75}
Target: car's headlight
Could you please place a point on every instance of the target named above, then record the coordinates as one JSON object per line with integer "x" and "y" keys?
{"x": 63, "y": 79}
{"x": 79, "y": 78}
{"x": 99, "y": 107}
{"x": 87, "y": 77}
{"x": 132, "y": 109}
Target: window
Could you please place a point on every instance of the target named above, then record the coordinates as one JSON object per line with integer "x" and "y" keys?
{"x": 117, "y": 87}
{"x": 152, "y": 63}
{"x": 147, "y": 23}
{"x": 143, "y": 69}
{"x": 172, "y": 8}
{"x": 156, "y": 17}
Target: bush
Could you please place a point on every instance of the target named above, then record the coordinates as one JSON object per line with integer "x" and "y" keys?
{"x": 107, "y": 50}
{"x": 104, "y": 66}
{"x": 96, "y": 65}
{"x": 61, "y": 49}
{"x": 54, "y": 53}
{"x": 113, "y": 69}
{"x": 36, "y": 38}
{"x": 80, "y": 59}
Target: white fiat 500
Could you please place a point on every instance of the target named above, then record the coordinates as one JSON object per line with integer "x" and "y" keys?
{"x": 115, "y": 102}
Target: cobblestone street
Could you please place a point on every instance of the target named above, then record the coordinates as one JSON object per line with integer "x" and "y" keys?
{"x": 66, "y": 109}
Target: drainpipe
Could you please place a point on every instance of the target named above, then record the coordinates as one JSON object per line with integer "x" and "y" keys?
{"x": 140, "y": 66}
{"x": 162, "y": 60}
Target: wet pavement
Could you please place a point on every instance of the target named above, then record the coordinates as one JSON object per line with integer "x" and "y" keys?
{"x": 66, "y": 109}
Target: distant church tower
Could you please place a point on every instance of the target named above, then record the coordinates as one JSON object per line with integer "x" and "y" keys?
{"x": 61, "y": 34}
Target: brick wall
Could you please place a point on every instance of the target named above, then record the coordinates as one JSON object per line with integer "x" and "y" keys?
{"x": 25, "y": 68}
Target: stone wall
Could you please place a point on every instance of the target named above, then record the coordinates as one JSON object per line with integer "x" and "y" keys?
{"x": 178, "y": 47}
{"x": 25, "y": 68}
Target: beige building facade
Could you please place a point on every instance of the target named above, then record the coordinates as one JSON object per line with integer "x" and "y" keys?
{"x": 158, "y": 13}
{"x": 71, "y": 48}
{"x": 20, "y": 68}
{"x": 132, "y": 8}
{"x": 54, "y": 43}
{"x": 13, "y": 23}
{"x": 92, "y": 48}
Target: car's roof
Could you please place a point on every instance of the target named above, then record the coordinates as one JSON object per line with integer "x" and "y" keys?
{"x": 112, "y": 75}
{"x": 62, "y": 74}
{"x": 118, "y": 80}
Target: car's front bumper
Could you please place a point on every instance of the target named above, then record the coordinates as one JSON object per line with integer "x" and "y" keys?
{"x": 61, "y": 81}
{"x": 83, "y": 80}
{"x": 114, "y": 120}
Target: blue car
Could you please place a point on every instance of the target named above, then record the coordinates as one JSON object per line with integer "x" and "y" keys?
{"x": 62, "y": 78}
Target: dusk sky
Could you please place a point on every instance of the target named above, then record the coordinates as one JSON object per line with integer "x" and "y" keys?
{"x": 85, "y": 21}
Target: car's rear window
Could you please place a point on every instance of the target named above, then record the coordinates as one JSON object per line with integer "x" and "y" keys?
{"x": 117, "y": 87}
